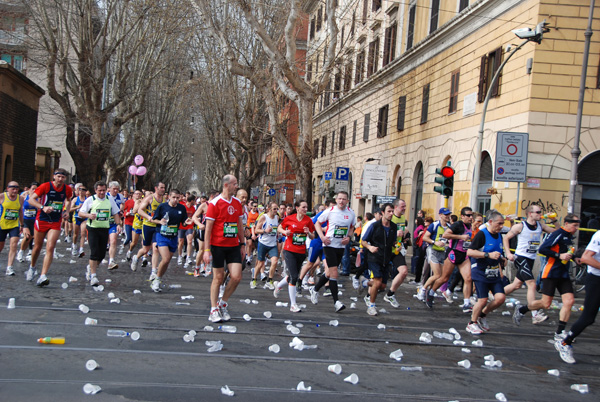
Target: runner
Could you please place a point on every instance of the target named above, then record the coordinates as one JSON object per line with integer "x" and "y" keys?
{"x": 199, "y": 220}
{"x": 147, "y": 207}
{"x": 379, "y": 240}
{"x": 529, "y": 238}
{"x": 54, "y": 197}
{"x": 79, "y": 224}
{"x": 266, "y": 228}
{"x": 99, "y": 208}
{"x": 225, "y": 243}
{"x": 29, "y": 213}
{"x": 340, "y": 226}
{"x": 591, "y": 257}
{"x": 170, "y": 216}
{"x": 185, "y": 235}
{"x": 486, "y": 250}
{"x": 436, "y": 252}
{"x": 115, "y": 195}
{"x": 11, "y": 222}
{"x": 133, "y": 221}
{"x": 315, "y": 251}
{"x": 296, "y": 228}
{"x": 399, "y": 261}
{"x": 252, "y": 218}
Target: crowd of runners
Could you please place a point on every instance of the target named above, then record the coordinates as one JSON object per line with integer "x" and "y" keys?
{"x": 286, "y": 246}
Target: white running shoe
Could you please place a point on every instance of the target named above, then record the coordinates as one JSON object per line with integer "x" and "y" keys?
{"x": 392, "y": 300}
{"x": 372, "y": 310}
{"x": 179, "y": 260}
{"x": 295, "y": 309}
{"x": 276, "y": 292}
{"x": 560, "y": 337}
{"x": 74, "y": 252}
{"x": 94, "y": 281}
{"x": 566, "y": 351}
{"x": 224, "y": 313}
{"x": 155, "y": 285}
{"x": 43, "y": 281}
{"x": 253, "y": 284}
{"x": 339, "y": 306}
{"x": 269, "y": 285}
{"x": 421, "y": 294}
{"x": 30, "y": 273}
{"x": 153, "y": 276}
{"x": 539, "y": 317}
{"x": 448, "y": 296}
{"x": 483, "y": 324}
{"x": 113, "y": 265}
{"x": 10, "y": 271}
{"x": 134, "y": 263}
{"x": 20, "y": 256}
{"x": 314, "y": 295}
{"x": 474, "y": 329}
{"x": 215, "y": 316}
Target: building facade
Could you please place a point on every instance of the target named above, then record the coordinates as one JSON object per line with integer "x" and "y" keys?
{"x": 408, "y": 96}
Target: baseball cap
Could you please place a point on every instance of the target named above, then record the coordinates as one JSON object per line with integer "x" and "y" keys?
{"x": 445, "y": 211}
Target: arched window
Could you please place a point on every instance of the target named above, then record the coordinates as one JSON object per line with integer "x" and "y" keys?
{"x": 486, "y": 176}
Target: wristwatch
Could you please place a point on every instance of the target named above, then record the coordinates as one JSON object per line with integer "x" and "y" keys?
{"x": 486, "y": 255}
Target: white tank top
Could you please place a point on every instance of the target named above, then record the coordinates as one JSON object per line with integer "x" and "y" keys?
{"x": 529, "y": 241}
{"x": 269, "y": 239}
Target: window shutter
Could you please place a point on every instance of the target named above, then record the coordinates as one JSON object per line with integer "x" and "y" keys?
{"x": 482, "y": 79}
{"x": 497, "y": 62}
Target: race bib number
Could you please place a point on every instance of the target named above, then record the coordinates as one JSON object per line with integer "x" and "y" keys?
{"x": 466, "y": 244}
{"x": 11, "y": 214}
{"x": 169, "y": 231}
{"x": 299, "y": 239}
{"x": 29, "y": 213}
{"x": 403, "y": 251}
{"x": 340, "y": 231}
{"x": 230, "y": 229}
{"x": 273, "y": 231}
{"x": 533, "y": 246}
{"x": 56, "y": 205}
{"x": 102, "y": 215}
{"x": 492, "y": 271}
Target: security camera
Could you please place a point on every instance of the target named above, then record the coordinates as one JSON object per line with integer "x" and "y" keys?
{"x": 524, "y": 33}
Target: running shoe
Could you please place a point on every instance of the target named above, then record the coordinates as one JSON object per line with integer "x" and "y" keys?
{"x": 467, "y": 308}
{"x": 270, "y": 286}
{"x": 314, "y": 295}
{"x": 327, "y": 293}
{"x": 560, "y": 337}
{"x": 94, "y": 281}
{"x": 421, "y": 294}
{"x": 483, "y": 324}
{"x": 81, "y": 253}
{"x": 355, "y": 283}
{"x": 448, "y": 296}
{"x": 113, "y": 265}
{"x": 74, "y": 252}
{"x": 339, "y": 306}
{"x": 517, "y": 316}
{"x": 20, "y": 256}
{"x": 128, "y": 255}
{"x": 10, "y": 271}
{"x": 429, "y": 300}
{"x": 179, "y": 260}
{"x": 372, "y": 310}
{"x": 144, "y": 262}
{"x": 152, "y": 277}
{"x": 224, "y": 313}
{"x": 539, "y": 317}
{"x": 263, "y": 277}
{"x": 43, "y": 281}
{"x": 197, "y": 272}
{"x": 474, "y": 329}
{"x": 155, "y": 286}
{"x": 392, "y": 300}
{"x": 253, "y": 284}
{"x": 311, "y": 280}
{"x": 295, "y": 309}
{"x": 134, "y": 263}
{"x": 367, "y": 300}
{"x": 276, "y": 292}
{"x": 565, "y": 351}
{"x": 215, "y": 316}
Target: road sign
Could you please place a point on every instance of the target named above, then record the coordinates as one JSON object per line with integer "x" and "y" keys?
{"x": 374, "y": 179}
{"x": 328, "y": 176}
{"x": 282, "y": 190}
{"x": 342, "y": 173}
{"x": 272, "y": 192}
{"x": 341, "y": 185}
{"x": 511, "y": 156}
{"x": 382, "y": 199}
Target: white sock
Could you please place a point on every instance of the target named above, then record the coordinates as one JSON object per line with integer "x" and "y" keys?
{"x": 111, "y": 260}
{"x": 292, "y": 292}
{"x": 467, "y": 301}
{"x": 154, "y": 270}
{"x": 432, "y": 292}
{"x": 282, "y": 283}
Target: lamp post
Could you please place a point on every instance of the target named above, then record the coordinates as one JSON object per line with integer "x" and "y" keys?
{"x": 528, "y": 35}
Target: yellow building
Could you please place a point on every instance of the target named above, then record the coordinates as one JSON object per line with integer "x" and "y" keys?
{"x": 408, "y": 95}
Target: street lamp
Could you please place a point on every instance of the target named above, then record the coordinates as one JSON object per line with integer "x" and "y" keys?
{"x": 530, "y": 36}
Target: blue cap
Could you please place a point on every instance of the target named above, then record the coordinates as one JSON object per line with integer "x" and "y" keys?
{"x": 445, "y": 211}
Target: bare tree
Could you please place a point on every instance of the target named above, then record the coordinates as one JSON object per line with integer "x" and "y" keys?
{"x": 282, "y": 72}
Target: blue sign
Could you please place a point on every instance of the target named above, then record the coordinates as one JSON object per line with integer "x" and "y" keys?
{"x": 272, "y": 192}
{"x": 328, "y": 175}
{"x": 382, "y": 199}
{"x": 342, "y": 173}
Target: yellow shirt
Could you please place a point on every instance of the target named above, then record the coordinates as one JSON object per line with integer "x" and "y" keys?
{"x": 9, "y": 216}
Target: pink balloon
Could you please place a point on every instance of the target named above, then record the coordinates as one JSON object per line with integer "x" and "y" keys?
{"x": 132, "y": 170}
{"x": 141, "y": 170}
{"x": 139, "y": 159}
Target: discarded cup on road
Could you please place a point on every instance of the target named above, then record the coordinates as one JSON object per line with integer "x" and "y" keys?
{"x": 299, "y": 325}
{"x": 581, "y": 388}
{"x": 228, "y": 328}
{"x": 459, "y": 343}
{"x": 488, "y": 358}
{"x": 188, "y": 338}
{"x": 411, "y": 368}
{"x": 293, "y": 329}
{"x": 302, "y": 387}
{"x": 500, "y": 396}
{"x": 478, "y": 342}
{"x": 91, "y": 321}
{"x": 208, "y": 328}
{"x": 466, "y": 350}
{"x": 268, "y": 314}
{"x": 425, "y": 337}
{"x": 254, "y": 301}
{"x": 352, "y": 379}
{"x": 192, "y": 332}
{"x": 396, "y": 355}
{"x": 188, "y": 297}
{"x": 72, "y": 279}
{"x": 381, "y": 326}
{"x": 226, "y": 391}
{"x": 352, "y": 305}
{"x": 98, "y": 288}
{"x": 11, "y": 303}
{"x": 247, "y": 317}
{"x": 135, "y": 335}
{"x": 465, "y": 363}
{"x": 493, "y": 363}
{"x": 454, "y": 332}
{"x": 115, "y": 300}
{"x": 247, "y": 301}
{"x": 175, "y": 286}
{"x": 91, "y": 365}
{"x": 335, "y": 368}
{"x": 91, "y": 389}
{"x": 111, "y": 295}
{"x": 334, "y": 323}
{"x": 554, "y": 372}
{"x": 274, "y": 348}
{"x": 295, "y": 342}
{"x": 84, "y": 309}
{"x": 65, "y": 285}
{"x": 107, "y": 280}
{"x": 506, "y": 313}
{"x": 137, "y": 292}
{"x": 214, "y": 346}
{"x": 281, "y": 304}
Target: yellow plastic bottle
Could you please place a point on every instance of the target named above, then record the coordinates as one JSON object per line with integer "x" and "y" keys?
{"x": 571, "y": 251}
{"x": 551, "y": 215}
{"x": 56, "y": 341}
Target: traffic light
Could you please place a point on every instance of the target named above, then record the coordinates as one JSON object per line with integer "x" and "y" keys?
{"x": 446, "y": 180}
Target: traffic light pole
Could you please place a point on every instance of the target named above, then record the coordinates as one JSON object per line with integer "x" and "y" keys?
{"x": 446, "y": 199}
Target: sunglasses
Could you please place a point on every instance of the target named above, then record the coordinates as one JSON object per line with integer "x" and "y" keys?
{"x": 468, "y": 215}
{"x": 536, "y": 212}
{"x": 83, "y": 189}
{"x": 12, "y": 186}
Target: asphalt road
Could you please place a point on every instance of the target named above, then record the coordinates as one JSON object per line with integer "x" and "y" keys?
{"x": 160, "y": 366}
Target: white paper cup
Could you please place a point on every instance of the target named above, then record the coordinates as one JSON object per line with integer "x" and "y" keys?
{"x": 135, "y": 335}
{"x": 11, "y": 303}
{"x": 465, "y": 363}
{"x": 91, "y": 365}
{"x": 84, "y": 309}
{"x": 91, "y": 389}
{"x": 352, "y": 379}
{"x": 274, "y": 348}
{"x": 91, "y": 321}
{"x": 335, "y": 368}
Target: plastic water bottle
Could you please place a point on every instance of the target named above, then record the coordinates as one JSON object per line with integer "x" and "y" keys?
{"x": 163, "y": 228}
{"x": 117, "y": 332}
{"x": 437, "y": 334}
{"x": 52, "y": 340}
{"x": 228, "y": 328}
